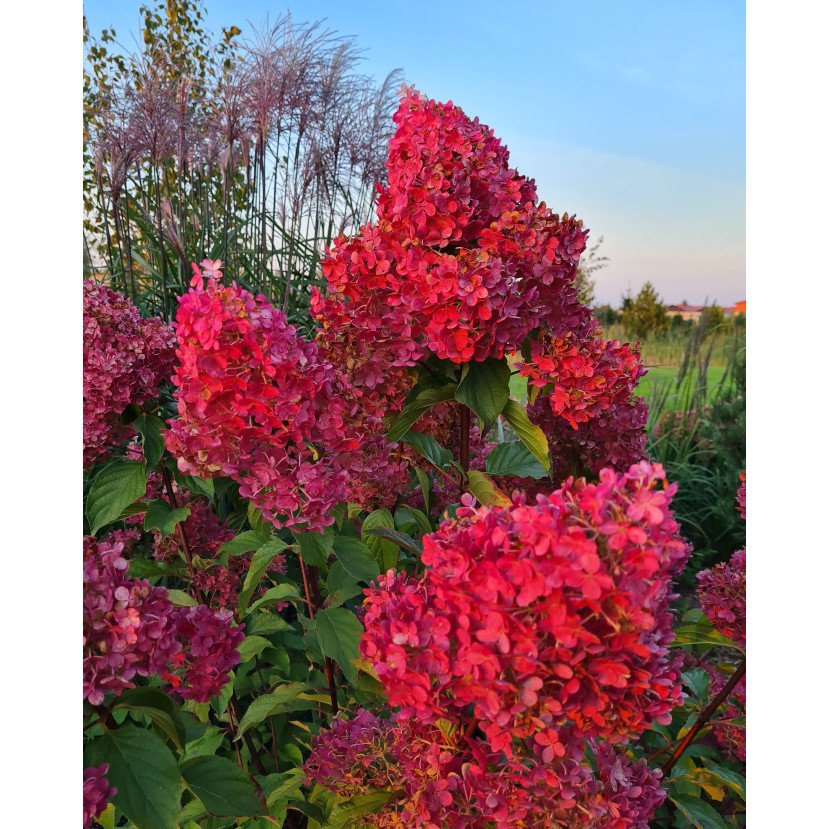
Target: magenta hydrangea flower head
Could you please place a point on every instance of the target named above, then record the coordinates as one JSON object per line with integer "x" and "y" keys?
{"x": 721, "y": 591}
{"x": 741, "y": 496}
{"x": 210, "y": 650}
{"x": 128, "y": 625}
{"x": 97, "y": 792}
{"x": 125, "y": 360}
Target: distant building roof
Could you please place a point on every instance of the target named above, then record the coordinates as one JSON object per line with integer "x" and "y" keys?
{"x": 686, "y": 308}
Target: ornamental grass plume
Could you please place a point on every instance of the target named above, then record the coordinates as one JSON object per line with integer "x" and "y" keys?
{"x": 125, "y": 360}
{"x": 97, "y": 792}
{"x": 537, "y": 627}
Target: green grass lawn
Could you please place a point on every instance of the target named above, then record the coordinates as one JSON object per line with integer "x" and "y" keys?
{"x": 653, "y": 384}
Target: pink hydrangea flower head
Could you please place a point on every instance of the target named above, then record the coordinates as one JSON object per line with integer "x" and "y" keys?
{"x": 721, "y": 591}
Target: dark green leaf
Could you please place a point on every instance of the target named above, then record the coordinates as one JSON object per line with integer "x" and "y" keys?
{"x": 339, "y": 632}
{"x": 427, "y": 446}
{"x": 732, "y": 779}
{"x": 144, "y": 772}
{"x": 181, "y": 599}
{"x": 152, "y": 442}
{"x": 701, "y": 632}
{"x": 698, "y": 812}
{"x": 223, "y": 788}
{"x": 421, "y": 398}
{"x": 484, "y": 388}
{"x": 205, "y": 745}
{"x": 356, "y": 558}
{"x": 384, "y": 551}
{"x": 409, "y": 519}
{"x": 514, "y": 459}
{"x": 341, "y": 585}
{"x": 531, "y": 436}
{"x": 155, "y": 704}
{"x": 698, "y": 681}
{"x": 160, "y": 516}
{"x": 403, "y": 540}
{"x": 278, "y": 701}
{"x": 203, "y": 485}
{"x": 264, "y": 624}
{"x": 245, "y": 542}
{"x": 315, "y": 547}
{"x": 114, "y": 489}
{"x": 259, "y": 564}
{"x": 425, "y": 487}
{"x": 284, "y": 786}
{"x": 252, "y": 646}
{"x": 275, "y": 594}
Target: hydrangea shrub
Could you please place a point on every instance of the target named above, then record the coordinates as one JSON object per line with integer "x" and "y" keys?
{"x": 351, "y": 581}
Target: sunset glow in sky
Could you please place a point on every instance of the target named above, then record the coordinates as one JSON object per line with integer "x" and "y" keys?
{"x": 631, "y": 115}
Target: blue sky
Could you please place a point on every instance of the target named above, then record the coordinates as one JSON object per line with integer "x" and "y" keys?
{"x": 629, "y": 114}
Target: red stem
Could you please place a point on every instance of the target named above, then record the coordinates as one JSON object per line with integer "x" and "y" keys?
{"x": 705, "y": 716}
{"x": 464, "y": 426}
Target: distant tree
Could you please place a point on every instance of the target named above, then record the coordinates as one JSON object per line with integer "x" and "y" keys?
{"x": 710, "y": 317}
{"x": 590, "y": 262}
{"x": 645, "y": 316}
{"x": 606, "y": 315}
{"x": 678, "y": 324}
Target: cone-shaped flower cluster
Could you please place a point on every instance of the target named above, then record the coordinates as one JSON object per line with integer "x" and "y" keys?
{"x": 545, "y": 625}
{"x": 125, "y": 359}
{"x": 257, "y": 404}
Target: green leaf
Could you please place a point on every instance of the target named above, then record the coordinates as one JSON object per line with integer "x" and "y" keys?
{"x": 401, "y": 539}
{"x": 409, "y": 518}
{"x": 269, "y": 704}
{"x": 531, "y": 436}
{"x": 160, "y": 516}
{"x": 181, "y": 599}
{"x": 514, "y": 459}
{"x": 203, "y": 485}
{"x": 205, "y": 745}
{"x": 315, "y": 547}
{"x": 425, "y": 487}
{"x": 732, "y": 779}
{"x": 427, "y": 446}
{"x": 421, "y": 398}
{"x": 155, "y": 704}
{"x": 484, "y": 489}
{"x": 265, "y": 624}
{"x": 348, "y": 813}
{"x": 144, "y": 772}
{"x": 142, "y": 568}
{"x": 223, "y": 788}
{"x": 339, "y": 632}
{"x": 341, "y": 586}
{"x": 259, "y": 564}
{"x": 356, "y": 558}
{"x": 284, "y": 786}
{"x": 384, "y": 551}
{"x": 114, "y": 489}
{"x": 275, "y": 594}
{"x": 484, "y": 388}
{"x": 252, "y": 646}
{"x": 701, "y": 632}
{"x": 152, "y": 442}
{"x": 245, "y": 542}
{"x": 698, "y": 812}
{"x": 698, "y": 681}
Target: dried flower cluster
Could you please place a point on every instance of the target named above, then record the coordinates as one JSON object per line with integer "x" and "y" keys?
{"x": 131, "y": 629}
{"x": 544, "y": 626}
{"x": 125, "y": 360}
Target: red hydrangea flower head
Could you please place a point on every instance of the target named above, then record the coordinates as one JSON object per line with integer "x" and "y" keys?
{"x": 462, "y": 260}
{"x": 532, "y": 617}
{"x": 125, "y": 360}
{"x": 588, "y": 376}
{"x": 256, "y": 404}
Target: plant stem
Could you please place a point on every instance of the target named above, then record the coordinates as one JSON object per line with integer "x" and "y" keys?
{"x": 464, "y": 425}
{"x": 705, "y": 716}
